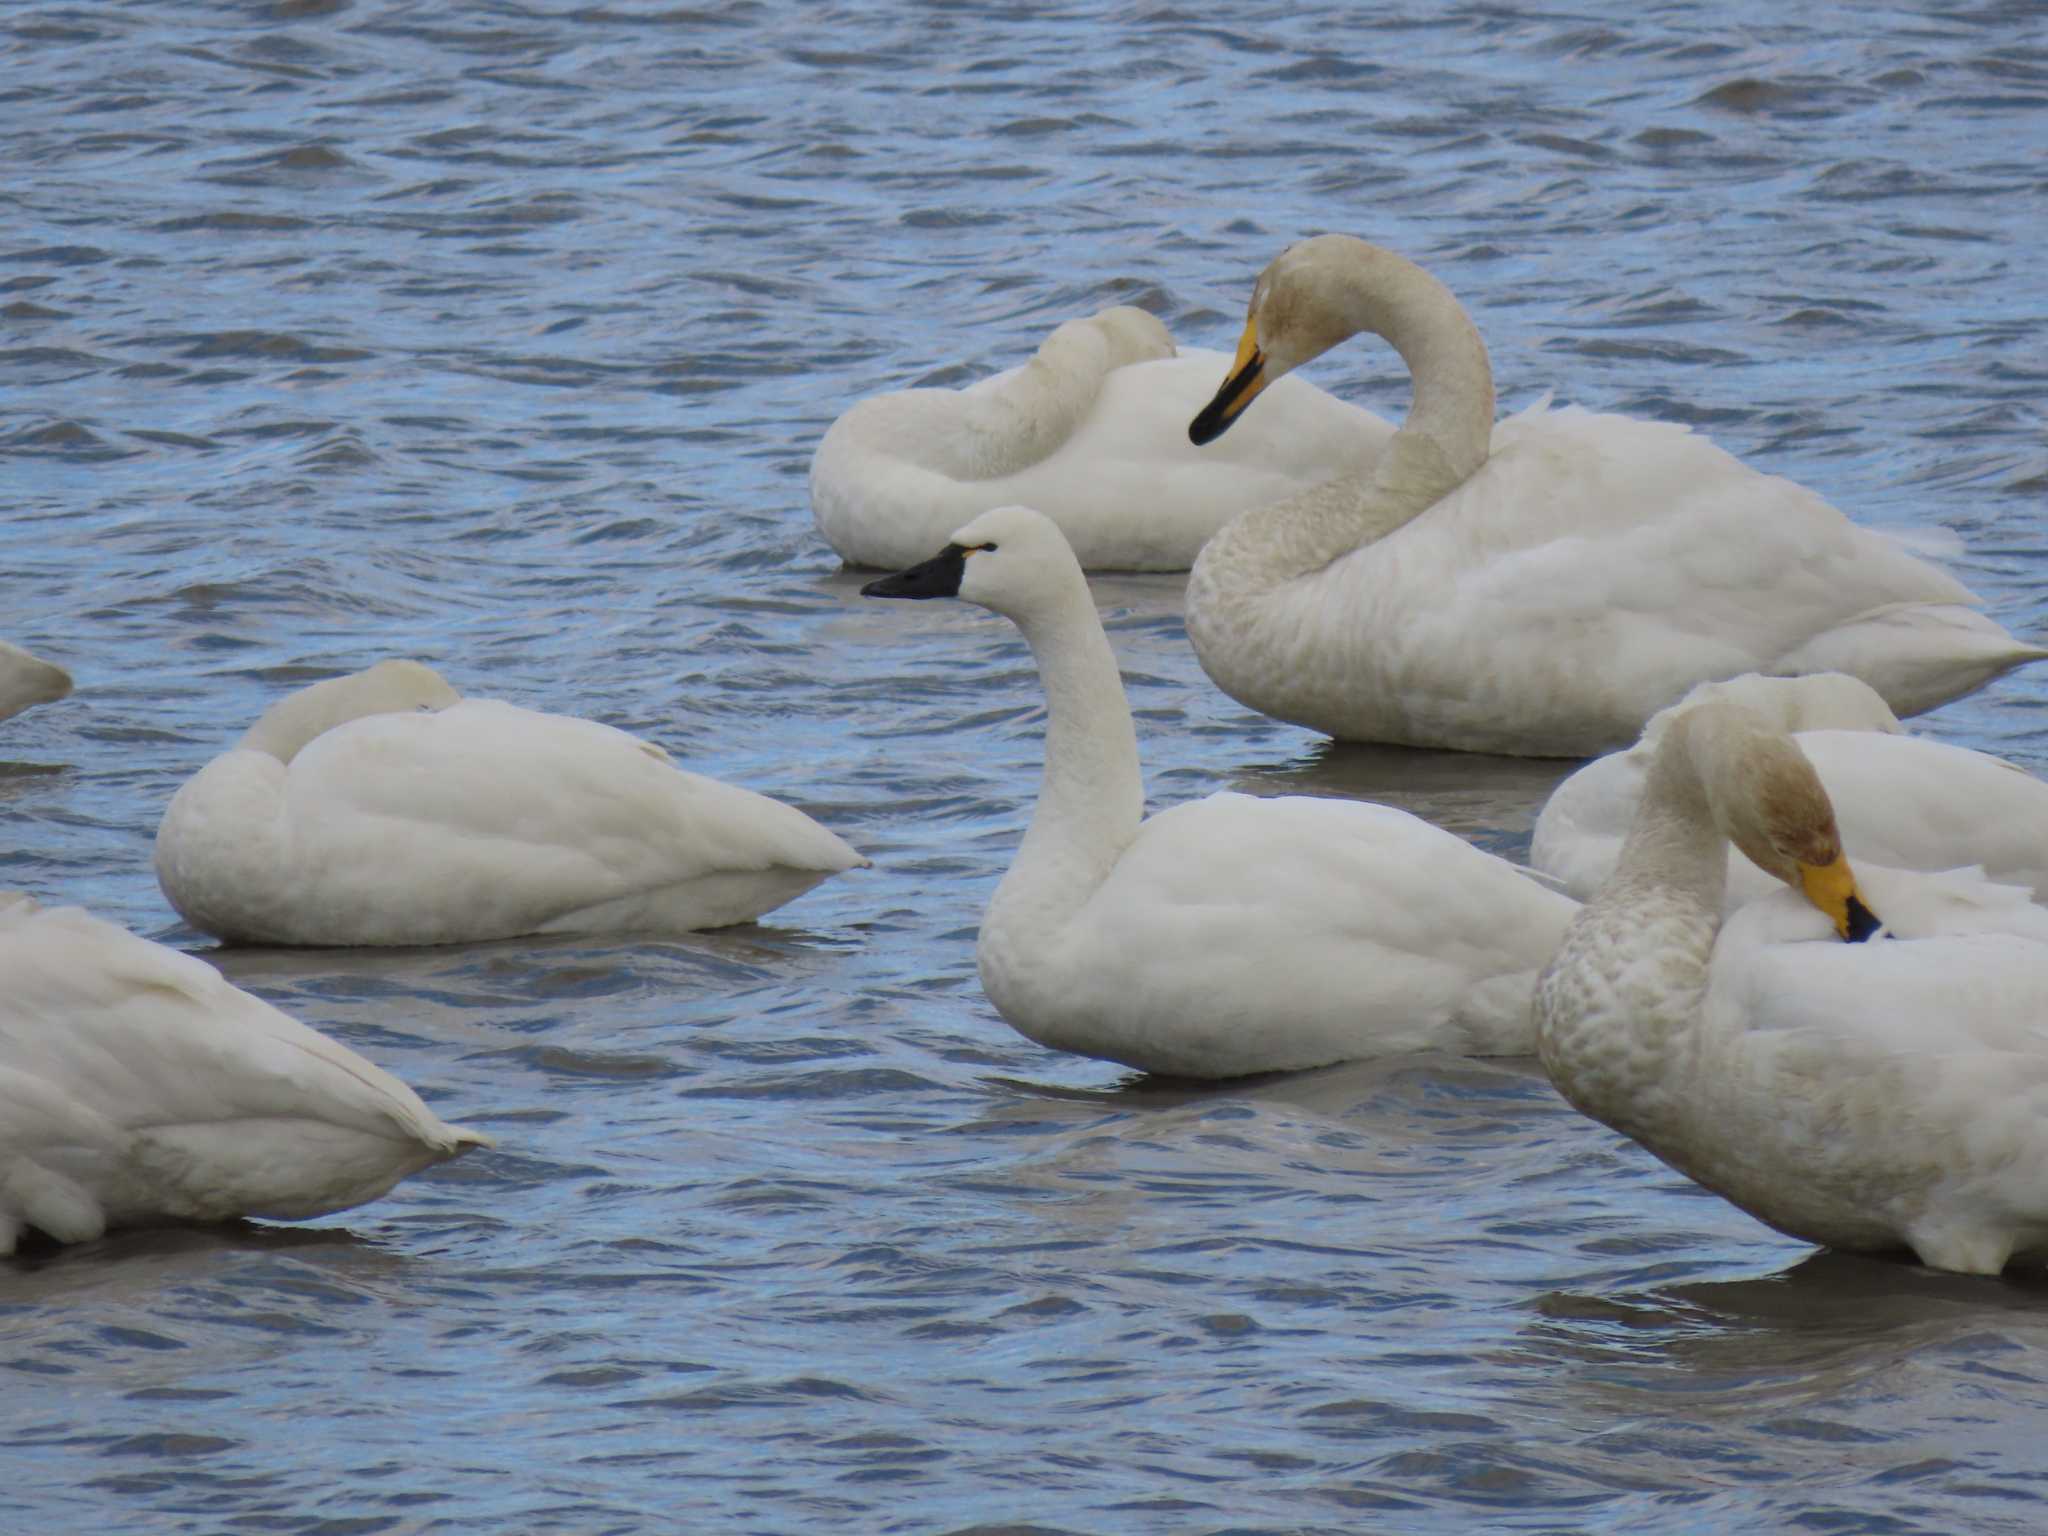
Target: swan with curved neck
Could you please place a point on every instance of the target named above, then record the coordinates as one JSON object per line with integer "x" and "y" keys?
{"x": 1090, "y": 430}
{"x": 384, "y": 808}
{"x": 138, "y": 1087}
{"x": 1865, "y": 1096}
{"x": 1541, "y": 587}
{"x": 1900, "y": 800}
{"x": 1232, "y": 934}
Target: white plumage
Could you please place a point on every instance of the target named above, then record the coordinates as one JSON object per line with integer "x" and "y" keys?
{"x": 1233, "y": 934}
{"x": 1092, "y": 431}
{"x": 382, "y": 808}
{"x": 1541, "y": 587}
{"x": 138, "y": 1086}
{"x": 27, "y": 680}
{"x": 1870, "y": 1096}
{"x": 1899, "y": 800}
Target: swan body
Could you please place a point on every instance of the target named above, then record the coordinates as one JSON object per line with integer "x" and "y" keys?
{"x": 1234, "y": 934}
{"x": 384, "y": 808}
{"x": 1899, "y": 800}
{"x": 1543, "y": 587}
{"x": 138, "y": 1086}
{"x": 1093, "y": 432}
{"x": 1866, "y": 1096}
{"x": 27, "y": 680}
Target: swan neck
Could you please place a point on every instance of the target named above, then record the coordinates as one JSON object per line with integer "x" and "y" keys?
{"x": 1443, "y": 440}
{"x": 1452, "y": 408}
{"x": 1092, "y": 796}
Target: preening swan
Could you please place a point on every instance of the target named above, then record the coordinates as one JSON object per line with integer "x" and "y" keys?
{"x": 1899, "y": 800}
{"x": 1093, "y": 432}
{"x": 1865, "y": 1095}
{"x": 1546, "y": 597}
{"x": 137, "y": 1086}
{"x": 384, "y": 808}
{"x": 27, "y": 680}
{"x": 1233, "y": 934}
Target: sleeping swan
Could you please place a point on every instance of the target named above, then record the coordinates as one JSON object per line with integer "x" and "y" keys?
{"x": 384, "y": 808}
{"x": 1092, "y": 431}
{"x": 1233, "y": 934}
{"x": 1899, "y": 800}
{"x": 1544, "y": 598}
{"x": 27, "y": 680}
{"x": 1864, "y": 1095}
{"x": 137, "y": 1086}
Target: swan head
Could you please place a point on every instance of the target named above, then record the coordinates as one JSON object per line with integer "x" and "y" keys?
{"x": 1010, "y": 560}
{"x": 388, "y": 688}
{"x": 1295, "y": 315}
{"x": 1766, "y": 799}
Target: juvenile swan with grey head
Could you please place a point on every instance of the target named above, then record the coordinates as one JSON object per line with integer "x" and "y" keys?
{"x": 1233, "y": 934}
{"x": 1865, "y": 1096}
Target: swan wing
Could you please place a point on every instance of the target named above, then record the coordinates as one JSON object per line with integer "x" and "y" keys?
{"x": 147, "y": 1037}
{"x": 1292, "y": 931}
{"x": 492, "y": 796}
{"x": 891, "y": 481}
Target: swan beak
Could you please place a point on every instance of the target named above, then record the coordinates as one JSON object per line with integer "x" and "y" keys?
{"x": 1832, "y": 888}
{"x": 937, "y": 577}
{"x": 1247, "y": 378}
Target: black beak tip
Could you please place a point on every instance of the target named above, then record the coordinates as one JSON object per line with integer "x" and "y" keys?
{"x": 1862, "y": 922}
{"x": 937, "y": 577}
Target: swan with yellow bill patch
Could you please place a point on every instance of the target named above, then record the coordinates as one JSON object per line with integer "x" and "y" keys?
{"x": 1543, "y": 586}
{"x": 1868, "y": 1096}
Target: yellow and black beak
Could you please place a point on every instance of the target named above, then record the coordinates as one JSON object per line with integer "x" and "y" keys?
{"x": 1832, "y": 888}
{"x": 1247, "y": 378}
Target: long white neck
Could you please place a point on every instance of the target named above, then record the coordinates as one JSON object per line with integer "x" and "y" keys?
{"x": 1442, "y": 441}
{"x": 1092, "y": 798}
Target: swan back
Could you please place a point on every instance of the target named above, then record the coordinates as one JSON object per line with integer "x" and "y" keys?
{"x": 27, "y": 680}
{"x": 137, "y": 1084}
{"x": 408, "y": 815}
{"x": 389, "y": 687}
{"x": 1578, "y": 833}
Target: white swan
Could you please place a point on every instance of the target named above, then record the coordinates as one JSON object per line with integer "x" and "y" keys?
{"x": 138, "y": 1086}
{"x": 1233, "y": 934}
{"x": 383, "y": 808}
{"x": 1899, "y": 800}
{"x": 27, "y": 680}
{"x": 1547, "y": 597}
{"x": 1864, "y": 1096}
{"x": 1093, "y": 432}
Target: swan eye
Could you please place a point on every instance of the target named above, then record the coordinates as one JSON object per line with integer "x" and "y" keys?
{"x": 981, "y": 549}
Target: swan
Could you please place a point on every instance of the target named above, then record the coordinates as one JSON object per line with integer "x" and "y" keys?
{"x": 1092, "y": 431}
{"x": 1864, "y": 1096}
{"x": 385, "y": 808}
{"x": 138, "y": 1086}
{"x": 1899, "y": 800}
{"x": 1229, "y": 935}
{"x": 27, "y": 680}
{"x": 1543, "y": 588}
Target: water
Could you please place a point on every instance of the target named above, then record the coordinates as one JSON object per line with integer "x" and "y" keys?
{"x": 499, "y": 335}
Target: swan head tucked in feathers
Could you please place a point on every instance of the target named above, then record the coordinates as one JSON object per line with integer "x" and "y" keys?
{"x": 1765, "y": 798}
{"x": 1010, "y": 560}
{"x": 388, "y": 688}
{"x": 1819, "y": 701}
